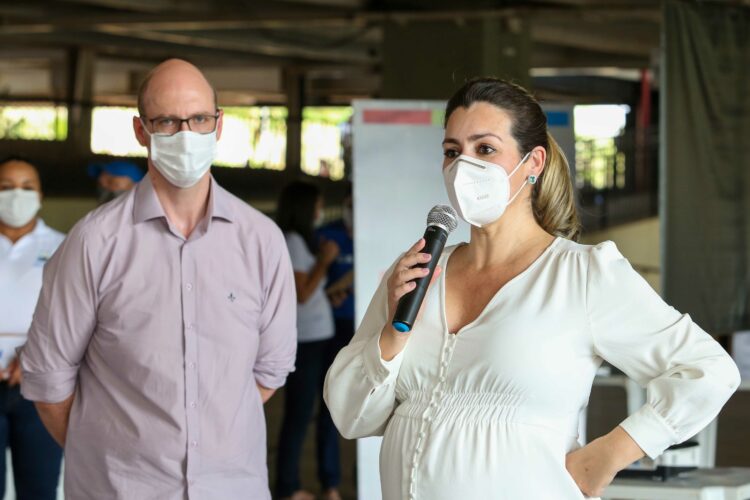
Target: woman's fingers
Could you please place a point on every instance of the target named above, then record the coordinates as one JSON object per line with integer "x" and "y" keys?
{"x": 411, "y": 260}
{"x": 402, "y": 290}
{"x": 416, "y": 247}
{"x": 410, "y": 274}
{"x": 402, "y": 279}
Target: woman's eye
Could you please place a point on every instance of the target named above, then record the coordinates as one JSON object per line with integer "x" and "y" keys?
{"x": 450, "y": 153}
{"x": 485, "y": 149}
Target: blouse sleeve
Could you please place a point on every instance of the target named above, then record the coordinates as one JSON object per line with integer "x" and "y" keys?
{"x": 360, "y": 386}
{"x": 688, "y": 376}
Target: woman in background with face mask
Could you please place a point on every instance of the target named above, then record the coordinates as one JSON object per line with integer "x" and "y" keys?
{"x": 26, "y": 243}
{"x": 482, "y": 398}
{"x": 299, "y": 211}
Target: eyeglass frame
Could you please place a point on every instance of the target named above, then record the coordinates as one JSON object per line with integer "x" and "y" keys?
{"x": 180, "y": 121}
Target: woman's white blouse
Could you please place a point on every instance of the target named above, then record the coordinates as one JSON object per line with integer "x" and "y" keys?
{"x": 492, "y": 411}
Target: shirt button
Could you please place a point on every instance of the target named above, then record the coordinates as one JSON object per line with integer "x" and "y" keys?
{"x": 189, "y": 326}
{"x": 193, "y": 444}
{"x": 191, "y": 482}
{"x": 442, "y": 378}
{"x": 189, "y": 287}
{"x": 192, "y": 404}
{"x": 422, "y": 434}
{"x": 191, "y": 366}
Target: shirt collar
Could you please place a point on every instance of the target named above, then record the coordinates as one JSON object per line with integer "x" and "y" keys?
{"x": 147, "y": 205}
{"x": 220, "y": 202}
{"x": 40, "y": 228}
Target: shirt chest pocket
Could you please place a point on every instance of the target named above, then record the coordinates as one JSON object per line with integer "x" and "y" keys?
{"x": 228, "y": 311}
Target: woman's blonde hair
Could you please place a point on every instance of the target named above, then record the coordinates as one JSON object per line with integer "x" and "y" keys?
{"x": 553, "y": 197}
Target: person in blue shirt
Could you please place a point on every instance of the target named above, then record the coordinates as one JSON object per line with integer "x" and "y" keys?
{"x": 340, "y": 290}
{"x": 114, "y": 178}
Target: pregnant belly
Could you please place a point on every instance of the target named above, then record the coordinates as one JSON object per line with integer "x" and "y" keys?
{"x": 449, "y": 459}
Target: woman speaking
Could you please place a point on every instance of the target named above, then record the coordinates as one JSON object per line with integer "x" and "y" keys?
{"x": 481, "y": 399}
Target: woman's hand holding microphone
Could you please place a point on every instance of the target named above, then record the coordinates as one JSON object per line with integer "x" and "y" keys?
{"x": 400, "y": 282}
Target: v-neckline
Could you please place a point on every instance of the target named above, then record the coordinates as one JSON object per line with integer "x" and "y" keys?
{"x": 519, "y": 276}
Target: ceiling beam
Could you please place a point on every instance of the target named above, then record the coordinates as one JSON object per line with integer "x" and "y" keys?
{"x": 144, "y": 5}
{"x": 553, "y": 56}
{"x": 292, "y": 20}
{"x": 608, "y": 39}
{"x": 250, "y": 45}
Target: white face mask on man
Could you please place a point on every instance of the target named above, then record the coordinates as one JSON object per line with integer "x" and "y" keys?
{"x": 184, "y": 157}
{"x": 480, "y": 190}
{"x": 18, "y": 207}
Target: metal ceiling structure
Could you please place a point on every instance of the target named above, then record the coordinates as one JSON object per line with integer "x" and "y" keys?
{"x": 336, "y": 44}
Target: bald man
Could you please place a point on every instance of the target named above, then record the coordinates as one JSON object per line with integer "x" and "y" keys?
{"x": 26, "y": 243}
{"x": 165, "y": 321}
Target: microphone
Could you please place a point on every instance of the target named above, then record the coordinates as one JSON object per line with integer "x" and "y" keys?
{"x": 441, "y": 221}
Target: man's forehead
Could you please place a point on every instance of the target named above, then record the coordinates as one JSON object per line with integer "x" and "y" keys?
{"x": 174, "y": 97}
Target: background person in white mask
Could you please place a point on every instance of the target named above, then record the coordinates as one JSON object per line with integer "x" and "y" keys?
{"x": 166, "y": 320}
{"x": 482, "y": 398}
{"x": 26, "y": 243}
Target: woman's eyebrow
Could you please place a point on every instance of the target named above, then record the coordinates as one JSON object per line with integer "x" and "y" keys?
{"x": 472, "y": 138}
{"x": 476, "y": 137}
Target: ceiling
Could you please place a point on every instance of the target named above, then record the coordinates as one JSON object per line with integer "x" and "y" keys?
{"x": 248, "y": 46}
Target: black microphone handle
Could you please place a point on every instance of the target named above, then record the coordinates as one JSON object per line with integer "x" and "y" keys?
{"x": 408, "y": 307}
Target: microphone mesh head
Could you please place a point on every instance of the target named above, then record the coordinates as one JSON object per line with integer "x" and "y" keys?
{"x": 443, "y": 215}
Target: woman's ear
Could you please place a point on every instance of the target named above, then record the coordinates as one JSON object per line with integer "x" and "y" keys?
{"x": 536, "y": 161}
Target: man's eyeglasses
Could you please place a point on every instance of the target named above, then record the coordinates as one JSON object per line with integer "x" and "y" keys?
{"x": 170, "y": 125}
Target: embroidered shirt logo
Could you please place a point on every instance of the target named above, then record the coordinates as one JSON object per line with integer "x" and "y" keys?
{"x": 232, "y": 297}
{"x": 41, "y": 260}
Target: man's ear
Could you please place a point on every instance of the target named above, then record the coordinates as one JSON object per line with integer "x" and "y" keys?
{"x": 219, "y": 124}
{"x": 140, "y": 132}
